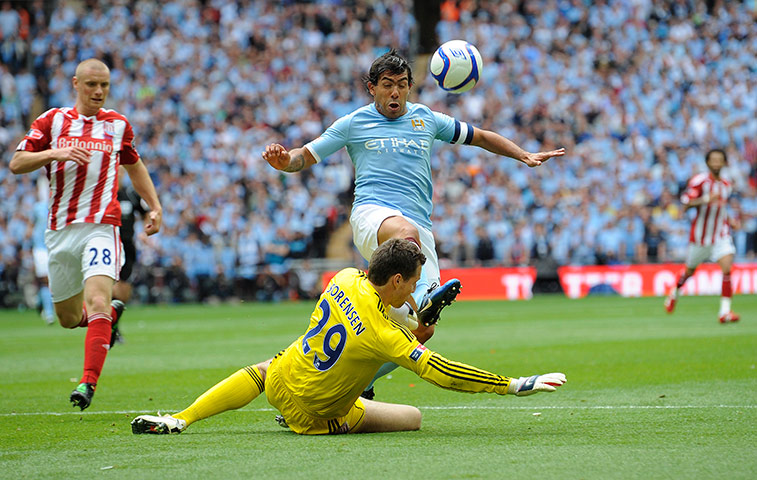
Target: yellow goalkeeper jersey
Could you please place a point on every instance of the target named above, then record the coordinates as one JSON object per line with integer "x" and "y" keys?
{"x": 349, "y": 337}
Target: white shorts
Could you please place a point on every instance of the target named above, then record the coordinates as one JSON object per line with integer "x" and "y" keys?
{"x": 701, "y": 253}
{"x": 80, "y": 251}
{"x": 40, "y": 262}
{"x": 366, "y": 220}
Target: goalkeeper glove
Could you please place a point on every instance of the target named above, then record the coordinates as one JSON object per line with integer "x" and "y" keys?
{"x": 537, "y": 383}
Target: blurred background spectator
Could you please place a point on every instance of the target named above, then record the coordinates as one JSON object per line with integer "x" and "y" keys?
{"x": 635, "y": 90}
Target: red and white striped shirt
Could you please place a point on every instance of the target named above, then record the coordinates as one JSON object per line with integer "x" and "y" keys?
{"x": 83, "y": 193}
{"x": 711, "y": 220}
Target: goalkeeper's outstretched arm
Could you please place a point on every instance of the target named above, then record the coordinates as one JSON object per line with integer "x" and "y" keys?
{"x": 466, "y": 378}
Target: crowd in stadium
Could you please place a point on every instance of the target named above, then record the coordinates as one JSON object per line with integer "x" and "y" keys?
{"x": 636, "y": 91}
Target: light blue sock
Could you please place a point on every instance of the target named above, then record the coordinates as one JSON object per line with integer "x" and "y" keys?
{"x": 421, "y": 287}
{"x": 386, "y": 368}
{"x": 47, "y": 301}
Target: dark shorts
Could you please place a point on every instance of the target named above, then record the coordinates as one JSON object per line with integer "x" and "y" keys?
{"x": 130, "y": 256}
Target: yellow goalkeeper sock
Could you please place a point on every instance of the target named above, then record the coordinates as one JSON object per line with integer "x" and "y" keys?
{"x": 231, "y": 393}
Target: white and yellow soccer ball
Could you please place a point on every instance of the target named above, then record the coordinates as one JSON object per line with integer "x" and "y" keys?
{"x": 456, "y": 66}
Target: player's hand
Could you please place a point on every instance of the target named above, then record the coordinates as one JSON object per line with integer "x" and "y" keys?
{"x": 536, "y": 159}
{"x": 78, "y": 155}
{"x": 537, "y": 383}
{"x": 277, "y": 156}
{"x": 153, "y": 221}
{"x": 716, "y": 199}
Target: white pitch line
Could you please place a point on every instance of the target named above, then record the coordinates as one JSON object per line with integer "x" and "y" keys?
{"x": 588, "y": 407}
{"x": 459, "y": 407}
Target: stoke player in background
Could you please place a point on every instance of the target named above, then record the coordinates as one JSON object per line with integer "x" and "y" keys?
{"x": 81, "y": 149}
{"x": 710, "y": 237}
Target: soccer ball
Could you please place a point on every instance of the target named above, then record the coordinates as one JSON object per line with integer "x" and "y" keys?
{"x": 456, "y": 66}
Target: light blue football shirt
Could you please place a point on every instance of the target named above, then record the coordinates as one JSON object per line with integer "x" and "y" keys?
{"x": 392, "y": 157}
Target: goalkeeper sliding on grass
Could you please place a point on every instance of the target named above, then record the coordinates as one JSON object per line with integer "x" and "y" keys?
{"x": 316, "y": 382}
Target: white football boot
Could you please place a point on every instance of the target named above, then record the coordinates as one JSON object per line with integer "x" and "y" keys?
{"x": 157, "y": 424}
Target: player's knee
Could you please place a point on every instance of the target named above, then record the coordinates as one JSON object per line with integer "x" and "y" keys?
{"x": 68, "y": 318}
{"x": 725, "y": 266}
{"x": 69, "y": 311}
{"x": 413, "y": 419}
{"x": 409, "y": 232}
{"x": 263, "y": 368}
{"x": 98, "y": 303}
{"x": 407, "y": 229}
{"x": 398, "y": 227}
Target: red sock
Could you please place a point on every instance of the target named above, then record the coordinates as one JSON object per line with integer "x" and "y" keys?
{"x": 727, "y": 289}
{"x": 681, "y": 280}
{"x": 114, "y": 315}
{"x": 96, "y": 346}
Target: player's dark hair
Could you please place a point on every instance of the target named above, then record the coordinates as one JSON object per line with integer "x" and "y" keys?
{"x": 391, "y": 62}
{"x": 716, "y": 150}
{"x": 394, "y": 256}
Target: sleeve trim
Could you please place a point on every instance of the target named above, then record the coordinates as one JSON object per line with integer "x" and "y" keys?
{"x": 312, "y": 152}
{"x": 463, "y": 133}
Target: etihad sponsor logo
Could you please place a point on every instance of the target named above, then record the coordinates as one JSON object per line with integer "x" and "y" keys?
{"x": 395, "y": 143}
{"x": 91, "y": 144}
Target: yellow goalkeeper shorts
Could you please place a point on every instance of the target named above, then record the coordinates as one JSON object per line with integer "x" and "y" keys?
{"x": 280, "y": 397}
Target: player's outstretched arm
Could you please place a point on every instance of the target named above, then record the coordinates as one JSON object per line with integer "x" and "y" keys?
{"x": 536, "y": 383}
{"x": 500, "y": 145}
{"x": 467, "y": 378}
{"x": 288, "y": 161}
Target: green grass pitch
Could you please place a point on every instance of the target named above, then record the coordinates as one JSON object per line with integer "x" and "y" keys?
{"x": 649, "y": 395}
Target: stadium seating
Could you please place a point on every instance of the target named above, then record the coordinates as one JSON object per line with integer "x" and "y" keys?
{"x": 635, "y": 94}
